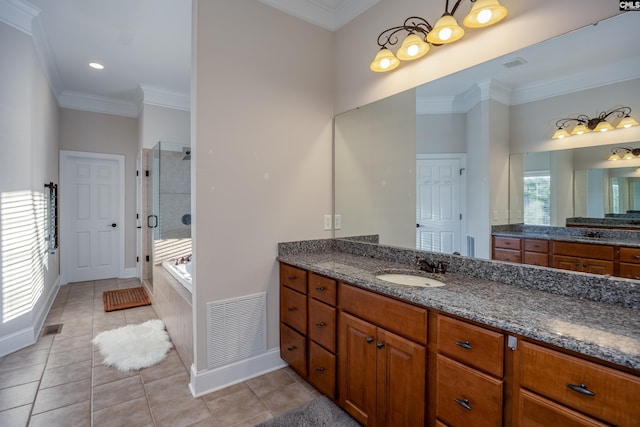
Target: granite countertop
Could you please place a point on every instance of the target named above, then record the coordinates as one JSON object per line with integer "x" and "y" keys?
{"x": 605, "y": 331}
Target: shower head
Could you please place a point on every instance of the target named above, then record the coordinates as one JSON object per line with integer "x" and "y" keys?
{"x": 187, "y": 155}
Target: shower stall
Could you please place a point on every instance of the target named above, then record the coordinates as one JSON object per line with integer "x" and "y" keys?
{"x": 168, "y": 218}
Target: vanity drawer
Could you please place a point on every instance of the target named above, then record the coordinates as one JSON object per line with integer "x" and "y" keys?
{"x": 507, "y": 243}
{"x": 322, "y": 288}
{"x": 322, "y": 370}
{"x": 549, "y": 373}
{"x": 583, "y": 250}
{"x": 458, "y": 385}
{"x": 631, "y": 255}
{"x": 293, "y": 278}
{"x": 322, "y": 324}
{"x": 534, "y": 258}
{"x": 293, "y": 309}
{"x": 293, "y": 348}
{"x": 404, "y": 319}
{"x": 475, "y": 346}
{"x": 535, "y": 245}
{"x": 535, "y": 411}
{"x": 630, "y": 271}
{"x": 507, "y": 255}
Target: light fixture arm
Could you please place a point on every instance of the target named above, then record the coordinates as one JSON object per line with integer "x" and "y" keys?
{"x": 412, "y": 25}
{"x": 591, "y": 123}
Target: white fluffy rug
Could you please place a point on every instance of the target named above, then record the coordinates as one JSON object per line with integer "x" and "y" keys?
{"x": 134, "y": 347}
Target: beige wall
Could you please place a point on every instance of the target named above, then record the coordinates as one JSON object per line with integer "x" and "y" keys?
{"x": 262, "y": 101}
{"x": 107, "y": 134}
{"x": 163, "y": 124}
{"x": 528, "y": 22}
{"x": 28, "y": 160}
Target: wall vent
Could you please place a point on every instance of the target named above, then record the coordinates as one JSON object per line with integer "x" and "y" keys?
{"x": 471, "y": 246}
{"x": 236, "y": 329}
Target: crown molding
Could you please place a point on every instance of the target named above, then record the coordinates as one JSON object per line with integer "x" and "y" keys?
{"x": 43, "y": 50}
{"x": 435, "y": 105}
{"x": 18, "y": 14}
{"x": 164, "y": 98}
{"x": 98, "y": 104}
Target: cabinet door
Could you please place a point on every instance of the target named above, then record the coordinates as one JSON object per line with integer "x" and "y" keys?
{"x": 401, "y": 366}
{"x": 566, "y": 262}
{"x": 357, "y": 364}
{"x": 596, "y": 266}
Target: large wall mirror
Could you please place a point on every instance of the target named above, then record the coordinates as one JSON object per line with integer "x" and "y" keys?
{"x": 429, "y": 168}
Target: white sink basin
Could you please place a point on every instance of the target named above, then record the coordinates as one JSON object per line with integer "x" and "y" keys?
{"x": 411, "y": 280}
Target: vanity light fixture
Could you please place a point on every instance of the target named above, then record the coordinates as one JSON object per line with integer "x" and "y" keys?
{"x": 624, "y": 153}
{"x": 420, "y": 34}
{"x": 583, "y": 124}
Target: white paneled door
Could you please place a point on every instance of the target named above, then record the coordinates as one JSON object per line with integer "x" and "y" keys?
{"x": 439, "y": 203}
{"x": 92, "y": 215}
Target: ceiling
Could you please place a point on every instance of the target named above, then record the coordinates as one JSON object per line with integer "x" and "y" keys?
{"x": 145, "y": 46}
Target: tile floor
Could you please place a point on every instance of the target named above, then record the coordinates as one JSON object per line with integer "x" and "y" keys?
{"x": 60, "y": 381}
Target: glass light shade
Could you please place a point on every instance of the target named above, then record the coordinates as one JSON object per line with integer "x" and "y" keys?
{"x": 627, "y": 122}
{"x": 413, "y": 47}
{"x": 580, "y": 129}
{"x": 445, "y": 31}
{"x": 560, "y": 133}
{"x": 484, "y": 13}
{"x": 614, "y": 157}
{"x": 603, "y": 126}
{"x": 628, "y": 156}
{"x": 385, "y": 60}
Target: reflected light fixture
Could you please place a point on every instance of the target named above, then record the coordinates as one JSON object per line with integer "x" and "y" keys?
{"x": 96, "y": 65}
{"x": 628, "y": 153}
{"x": 419, "y": 34}
{"x": 601, "y": 123}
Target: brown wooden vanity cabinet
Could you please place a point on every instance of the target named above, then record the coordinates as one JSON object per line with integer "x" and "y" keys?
{"x": 507, "y": 249}
{"x": 583, "y": 257}
{"x": 469, "y": 374}
{"x": 382, "y": 359}
{"x": 308, "y": 326}
{"x": 558, "y": 386}
{"x": 630, "y": 263}
{"x": 536, "y": 252}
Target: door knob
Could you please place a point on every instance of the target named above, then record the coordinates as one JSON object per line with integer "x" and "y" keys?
{"x": 114, "y": 225}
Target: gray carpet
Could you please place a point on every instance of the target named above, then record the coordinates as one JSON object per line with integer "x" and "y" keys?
{"x": 319, "y": 412}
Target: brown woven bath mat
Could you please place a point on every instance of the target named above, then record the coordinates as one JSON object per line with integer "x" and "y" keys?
{"x": 125, "y": 298}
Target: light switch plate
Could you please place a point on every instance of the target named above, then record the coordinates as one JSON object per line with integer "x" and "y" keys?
{"x": 327, "y": 222}
{"x": 337, "y": 222}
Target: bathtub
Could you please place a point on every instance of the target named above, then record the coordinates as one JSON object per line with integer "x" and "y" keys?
{"x": 181, "y": 272}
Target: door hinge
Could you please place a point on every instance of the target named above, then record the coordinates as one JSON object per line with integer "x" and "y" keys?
{"x": 137, "y": 259}
{"x": 137, "y": 216}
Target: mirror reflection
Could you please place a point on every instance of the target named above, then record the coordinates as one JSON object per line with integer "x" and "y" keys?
{"x": 437, "y": 166}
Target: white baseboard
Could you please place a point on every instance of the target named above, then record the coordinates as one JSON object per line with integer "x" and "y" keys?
{"x": 130, "y": 272}
{"x": 28, "y": 336}
{"x": 215, "y": 379}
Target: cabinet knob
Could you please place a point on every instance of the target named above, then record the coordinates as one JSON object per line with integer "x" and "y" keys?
{"x": 291, "y": 348}
{"x": 292, "y": 309}
{"x": 369, "y": 340}
{"x": 319, "y": 370}
{"x": 320, "y": 289}
{"x": 320, "y": 325}
{"x": 581, "y": 388}
{"x": 379, "y": 345}
{"x": 464, "y": 403}
{"x": 464, "y": 344}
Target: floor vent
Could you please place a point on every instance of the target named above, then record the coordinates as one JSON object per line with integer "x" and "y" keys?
{"x": 236, "y": 329}
{"x": 52, "y": 329}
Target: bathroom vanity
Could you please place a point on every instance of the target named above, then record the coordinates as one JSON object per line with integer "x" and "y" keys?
{"x": 499, "y": 344}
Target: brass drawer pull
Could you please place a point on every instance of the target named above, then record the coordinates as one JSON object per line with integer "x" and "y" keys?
{"x": 581, "y": 388}
{"x": 464, "y": 344}
{"x": 464, "y": 403}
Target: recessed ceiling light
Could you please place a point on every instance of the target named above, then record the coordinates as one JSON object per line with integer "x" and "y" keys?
{"x": 96, "y": 65}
